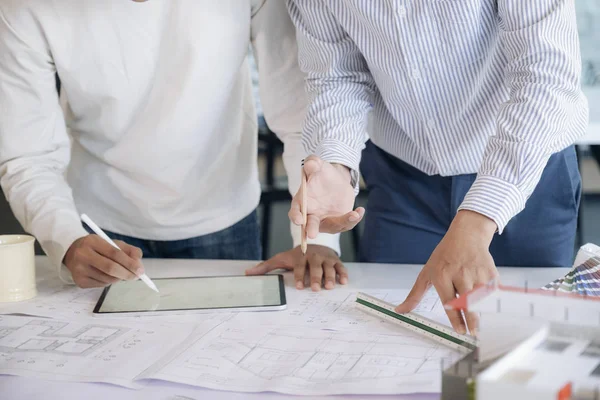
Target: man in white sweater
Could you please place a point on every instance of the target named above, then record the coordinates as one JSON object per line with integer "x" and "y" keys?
{"x": 153, "y": 134}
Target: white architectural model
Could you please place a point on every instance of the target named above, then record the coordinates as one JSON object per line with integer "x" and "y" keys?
{"x": 541, "y": 345}
{"x": 560, "y": 361}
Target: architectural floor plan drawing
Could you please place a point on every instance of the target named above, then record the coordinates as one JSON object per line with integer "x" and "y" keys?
{"x": 321, "y": 344}
{"x": 239, "y": 355}
{"x": 336, "y": 309}
{"x": 54, "y": 337}
{"x": 84, "y": 352}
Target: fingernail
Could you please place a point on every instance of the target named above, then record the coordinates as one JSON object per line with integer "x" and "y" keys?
{"x": 315, "y": 287}
{"x": 343, "y": 281}
{"x": 461, "y": 330}
{"x": 299, "y": 285}
{"x": 353, "y": 218}
{"x": 329, "y": 285}
{"x": 474, "y": 332}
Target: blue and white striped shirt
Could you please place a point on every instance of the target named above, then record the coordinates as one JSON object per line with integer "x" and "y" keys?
{"x": 454, "y": 87}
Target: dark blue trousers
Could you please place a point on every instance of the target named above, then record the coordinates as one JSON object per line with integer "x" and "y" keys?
{"x": 408, "y": 213}
{"x": 238, "y": 242}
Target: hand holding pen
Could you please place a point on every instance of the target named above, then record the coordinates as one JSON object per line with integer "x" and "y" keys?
{"x": 95, "y": 261}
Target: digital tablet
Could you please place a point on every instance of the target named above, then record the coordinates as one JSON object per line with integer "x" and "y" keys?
{"x": 189, "y": 295}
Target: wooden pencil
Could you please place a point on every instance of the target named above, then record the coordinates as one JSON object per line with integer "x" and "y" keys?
{"x": 303, "y": 206}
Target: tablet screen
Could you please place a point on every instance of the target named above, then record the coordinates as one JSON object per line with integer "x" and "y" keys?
{"x": 193, "y": 293}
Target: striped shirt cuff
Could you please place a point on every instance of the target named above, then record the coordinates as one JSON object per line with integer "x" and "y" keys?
{"x": 324, "y": 239}
{"x": 338, "y": 152}
{"x": 494, "y": 198}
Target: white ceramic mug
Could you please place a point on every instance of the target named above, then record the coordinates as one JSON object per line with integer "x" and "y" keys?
{"x": 17, "y": 268}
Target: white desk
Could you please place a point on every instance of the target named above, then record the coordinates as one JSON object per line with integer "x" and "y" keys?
{"x": 361, "y": 276}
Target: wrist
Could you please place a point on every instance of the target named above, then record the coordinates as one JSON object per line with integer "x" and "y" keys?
{"x": 326, "y": 250}
{"x": 344, "y": 171}
{"x": 476, "y": 224}
{"x": 70, "y": 253}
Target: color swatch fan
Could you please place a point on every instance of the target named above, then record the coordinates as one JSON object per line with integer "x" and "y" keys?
{"x": 583, "y": 279}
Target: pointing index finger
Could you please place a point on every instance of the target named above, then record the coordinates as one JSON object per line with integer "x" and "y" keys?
{"x": 416, "y": 294}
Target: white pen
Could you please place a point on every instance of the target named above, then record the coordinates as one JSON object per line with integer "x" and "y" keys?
{"x": 103, "y": 235}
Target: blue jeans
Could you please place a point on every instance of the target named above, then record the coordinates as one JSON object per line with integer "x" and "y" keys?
{"x": 408, "y": 213}
{"x": 238, "y": 242}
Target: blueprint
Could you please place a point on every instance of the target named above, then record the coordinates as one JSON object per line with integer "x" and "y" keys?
{"x": 240, "y": 356}
{"x": 84, "y": 352}
{"x": 322, "y": 344}
{"x": 306, "y": 352}
{"x": 332, "y": 309}
{"x": 336, "y": 309}
{"x": 56, "y": 300}
{"x": 72, "y": 303}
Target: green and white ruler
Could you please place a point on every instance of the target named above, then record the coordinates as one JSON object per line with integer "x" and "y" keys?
{"x": 416, "y": 323}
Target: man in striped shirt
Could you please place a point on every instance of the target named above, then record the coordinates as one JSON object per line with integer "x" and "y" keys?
{"x": 474, "y": 107}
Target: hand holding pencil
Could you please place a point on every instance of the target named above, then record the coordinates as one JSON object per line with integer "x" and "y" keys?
{"x": 325, "y": 200}
{"x": 303, "y": 245}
